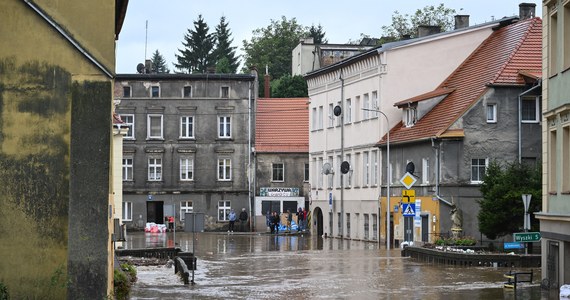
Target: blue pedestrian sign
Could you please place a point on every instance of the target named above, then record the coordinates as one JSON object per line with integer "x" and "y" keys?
{"x": 409, "y": 209}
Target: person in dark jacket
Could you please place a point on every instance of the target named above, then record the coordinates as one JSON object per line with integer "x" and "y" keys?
{"x": 243, "y": 219}
{"x": 300, "y": 220}
{"x": 275, "y": 223}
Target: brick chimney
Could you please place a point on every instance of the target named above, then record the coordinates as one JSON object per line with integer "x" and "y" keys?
{"x": 425, "y": 30}
{"x": 461, "y": 21}
{"x": 267, "y": 92}
{"x": 527, "y": 11}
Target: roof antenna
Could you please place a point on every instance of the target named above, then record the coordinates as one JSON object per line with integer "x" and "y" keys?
{"x": 145, "y": 39}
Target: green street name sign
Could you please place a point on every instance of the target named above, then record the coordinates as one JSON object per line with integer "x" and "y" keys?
{"x": 527, "y": 236}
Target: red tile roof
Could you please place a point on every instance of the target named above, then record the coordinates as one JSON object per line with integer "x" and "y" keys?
{"x": 500, "y": 59}
{"x": 282, "y": 125}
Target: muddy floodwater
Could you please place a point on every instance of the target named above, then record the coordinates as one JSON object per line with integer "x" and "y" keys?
{"x": 264, "y": 266}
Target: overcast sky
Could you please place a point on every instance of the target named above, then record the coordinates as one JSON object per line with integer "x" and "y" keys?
{"x": 342, "y": 21}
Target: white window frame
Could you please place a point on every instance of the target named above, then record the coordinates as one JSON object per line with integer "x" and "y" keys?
{"x": 331, "y": 116}
{"x": 374, "y": 163}
{"x": 491, "y": 113}
{"x": 224, "y": 127}
{"x": 479, "y": 166}
{"x": 366, "y": 106}
{"x": 186, "y": 169}
{"x": 320, "y": 124}
{"x": 128, "y": 168}
{"x": 315, "y": 118}
{"x": 425, "y": 171}
{"x": 129, "y": 122}
{"x": 186, "y": 207}
{"x": 154, "y": 168}
{"x": 348, "y": 110}
{"x": 277, "y": 168}
{"x": 150, "y": 135}
{"x": 224, "y": 207}
{"x": 187, "y": 127}
{"x": 374, "y": 104}
{"x": 365, "y": 169}
{"x": 536, "y": 109}
{"x": 411, "y": 115}
{"x": 224, "y": 169}
{"x": 127, "y": 211}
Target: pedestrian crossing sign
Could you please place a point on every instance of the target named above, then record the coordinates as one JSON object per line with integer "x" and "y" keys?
{"x": 409, "y": 209}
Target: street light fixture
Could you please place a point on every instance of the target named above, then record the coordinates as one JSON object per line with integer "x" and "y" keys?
{"x": 387, "y": 175}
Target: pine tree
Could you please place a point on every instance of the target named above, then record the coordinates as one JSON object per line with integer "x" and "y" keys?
{"x": 224, "y": 53}
{"x": 158, "y": 63}
{"x": 196, "y": 57}
{"x": 318, "y": 34}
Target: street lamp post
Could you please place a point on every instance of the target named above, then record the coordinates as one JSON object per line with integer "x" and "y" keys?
{"x": 387, "y": 175}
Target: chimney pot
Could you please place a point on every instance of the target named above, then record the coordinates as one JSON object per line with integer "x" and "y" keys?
{"x": 527, "y": 11}
{"x": 425, "y": 30}
{"x": 461, "y": 21}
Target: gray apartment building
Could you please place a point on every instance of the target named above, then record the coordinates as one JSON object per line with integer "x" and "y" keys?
{"x": 188, "y": 147}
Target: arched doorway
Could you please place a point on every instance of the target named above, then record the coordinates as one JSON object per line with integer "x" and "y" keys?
{"x": 318, "y": 221}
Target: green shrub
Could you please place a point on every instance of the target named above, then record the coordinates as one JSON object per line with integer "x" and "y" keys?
{"x": 3, "y": 292}
{"x": 123, "y": 280}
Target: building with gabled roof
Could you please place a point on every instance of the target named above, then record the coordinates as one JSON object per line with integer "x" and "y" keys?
{"x": 281, "y": 156}
{"x": 487, "y": 109}
{"x": 351, "y": 108}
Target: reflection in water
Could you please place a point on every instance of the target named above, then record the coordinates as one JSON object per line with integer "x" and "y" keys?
{"x": 263, "y": 266}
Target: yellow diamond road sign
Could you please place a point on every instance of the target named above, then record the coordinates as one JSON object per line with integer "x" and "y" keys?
{"x": 408, "y": 180}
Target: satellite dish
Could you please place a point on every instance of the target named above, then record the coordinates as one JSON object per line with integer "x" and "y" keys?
{"x": 327, "y": 169}
{"x": 344, "y": 167}
{"x": 410, "y": 168}
{"x": 337, "y": 110}
{"x": 140, "y": 68}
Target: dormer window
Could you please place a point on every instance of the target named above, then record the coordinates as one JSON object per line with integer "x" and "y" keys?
{"x": 410, "y": 116}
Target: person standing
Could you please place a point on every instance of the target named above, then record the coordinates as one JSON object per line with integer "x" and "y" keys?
{"x": 289, "y": 219}
{"x": 275, "y": 223}
{"x": 232, "y": 218}
{"x": 243, "y": 218}
{"x": 300, "y": 220}
{"x": 171, "y": 223}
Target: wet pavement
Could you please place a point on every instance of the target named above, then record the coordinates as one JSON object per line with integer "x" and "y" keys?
{"x": 264, "y": 266}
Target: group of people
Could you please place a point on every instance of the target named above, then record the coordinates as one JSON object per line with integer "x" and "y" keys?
{"x": 232, "y": 218}
{"x": 273, "y": 220}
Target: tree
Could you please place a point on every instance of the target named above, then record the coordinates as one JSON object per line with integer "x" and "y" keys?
{"x": 196, "y": 57}
{"x": 501, "y": 209}
{"x": 224, "y": 54}
{"x": 158, "y": 63}
{"x": 318, "y": 34}
{"x": 289, "y": 87}
{"x": 406, "y": 25}
{"x": 272, "y": 46}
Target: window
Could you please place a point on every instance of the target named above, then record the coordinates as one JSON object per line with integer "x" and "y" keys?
{"x": 365, "y": 169}
{"x": 357, "y": 109}
{"x": 348, "y": 176}
{"x": 224, "y": 169}
{"x": 366, "y": 105}
{"x": 187, "y": 92}
{"x": 374, "y": 103}
{"x": 225, "y": 92}
{"x": 374, "y": 177}
{"x": 186, "y": 127}
{"x": 366, "y": 226}
{"x": 320, "y": 124}
{"x": 185, "y": 207}
{"x": 529, "y": 107}
{"x": 278, "y": 172}
{"x": 224, "y": 208}
{"x": 129, "y": 122}
{"x": 154, "y": 130}
{"x": 553, "y": 41}
{"x": 566, "y": 37}
{"x": 348, "y": 112}
{"x": 224, "y": 127}
{"x": 331, "y": 116}
{"x": 339, "y": 217}
{"x": 126, "y": 92}
{"x": 347, "y": 225}
{"x": 330, "y": 178}
{"x": 425, "y": 170}
{"x": 306, "y": 179}
{"x": 154, "y": 169}
{"x": 478, "y": 166}
{"x": 491, "y": 113}
{"x": 374, "y": 227}
{"x": 127, "y": 169}
{"x": 186, "y": 168}
{"x": 155, "y": 91}
{"x": 411, "y": 115}
{"x": 319, "y": 174}
{"x": 127, "y": 211}
{"x": 315, "y": 118}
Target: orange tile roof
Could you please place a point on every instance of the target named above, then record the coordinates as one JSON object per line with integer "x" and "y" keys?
{"x": 282, "y": 125}
{"x": 498, "y": 60}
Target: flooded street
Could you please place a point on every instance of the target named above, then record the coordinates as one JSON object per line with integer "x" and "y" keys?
{"x": 263, "y": 266}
